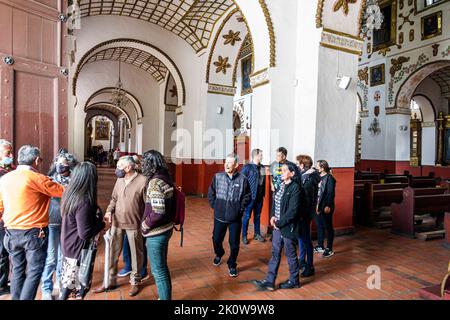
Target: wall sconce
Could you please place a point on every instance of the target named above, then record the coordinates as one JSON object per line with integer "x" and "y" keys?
{"x": 343, "y": 82}
{"x": 403, "y": 128}
{"x": 219, "y": 110}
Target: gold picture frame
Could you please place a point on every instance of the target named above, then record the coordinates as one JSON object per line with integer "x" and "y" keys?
{"x": 246, "y": 71}
{"x": 431, "y": 25}
{"x": 102, "y": 130}
{"x": 386, "y": 37}
{"x": 377, "y": 75}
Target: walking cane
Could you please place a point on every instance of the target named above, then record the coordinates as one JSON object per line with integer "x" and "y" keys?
{"x": 107, "y": 237}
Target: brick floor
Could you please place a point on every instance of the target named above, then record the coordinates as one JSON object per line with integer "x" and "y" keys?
{"x": 406, "y": 265}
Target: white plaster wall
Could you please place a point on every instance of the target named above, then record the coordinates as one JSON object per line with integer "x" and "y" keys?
{"x": 96, "y": 76}
{"x": 335, "y": 130}
{"x": 429, "y": 146}
{"x": 432, "y": 91}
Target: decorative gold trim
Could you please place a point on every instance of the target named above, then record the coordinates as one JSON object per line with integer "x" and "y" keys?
{"x": 404, "y": 111}
{"x": 238, "y": 57}
{"x": 221, "y": 93}
{"x": 179, "y": 112}
{"x": 319, "y": 12}
{"x": 439, "y": 32}
{"x": 261, "y": 84}
{"x": 259, "y": 72}
{"x": 171, "y": 108}
{"x": 271, "y": 32}
{"x": 105, "y": 43}
{"x": 361, "y": 15}
{"x": 222, "y": 85}
{"x": 342, "y": 34}
{"x": 344, "y": 4}
{"x": 329, "y": 46}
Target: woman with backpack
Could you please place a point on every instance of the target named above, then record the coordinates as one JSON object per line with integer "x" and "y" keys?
{"x": 157, "y": 225}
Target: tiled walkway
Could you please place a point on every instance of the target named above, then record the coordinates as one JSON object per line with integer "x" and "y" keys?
{"x": 406, "y": 265}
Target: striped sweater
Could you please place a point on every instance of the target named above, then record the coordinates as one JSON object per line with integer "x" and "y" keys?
{"x": 159, "y": 207}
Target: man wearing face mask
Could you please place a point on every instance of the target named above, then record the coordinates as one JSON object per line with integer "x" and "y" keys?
{"x": 6, "y": 162}
{"x": 24, "y": 200}
{"x": 125, "y": 212}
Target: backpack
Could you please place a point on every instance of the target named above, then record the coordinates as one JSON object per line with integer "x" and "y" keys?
{"x": 180, "y": 212}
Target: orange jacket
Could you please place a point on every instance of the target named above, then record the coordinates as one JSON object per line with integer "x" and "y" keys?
{"x": 25, "y": 198}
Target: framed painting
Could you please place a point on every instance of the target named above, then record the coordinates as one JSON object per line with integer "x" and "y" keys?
{"x": 386, "y": 36}
{"x": 246, "y": 65}
{"x": 431, "y": 25}
{"x": 447, "y": 146}
{"x": 101, "y": 130}
{"x": 377, "y": 75}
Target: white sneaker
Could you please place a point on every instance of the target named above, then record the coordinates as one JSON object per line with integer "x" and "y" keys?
{"x": 47, "y": 296}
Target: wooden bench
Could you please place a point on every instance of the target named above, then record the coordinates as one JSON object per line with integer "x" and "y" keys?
{"x": 395, "y": 179}
{"x": 422, "y": 182}
{"x": 417, "y": 202}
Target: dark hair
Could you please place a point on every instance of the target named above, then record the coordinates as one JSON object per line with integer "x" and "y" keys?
{"x": 305, "y": 160}
{"x": 81, "y": 188}
{"x": 293, "y": 168}
{"x": 256, "y": 152}
{"x": 70, "y": 158}
{"x": 153, "y": 162}
{"x": 324, "y": 165}
{"x": 282, "y": 150}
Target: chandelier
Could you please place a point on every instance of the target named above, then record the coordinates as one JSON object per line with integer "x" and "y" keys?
{"x": 119, "y": 95}
{"x": 372, "y": 19}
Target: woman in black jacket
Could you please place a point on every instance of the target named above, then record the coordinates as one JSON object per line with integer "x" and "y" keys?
{"x": 285, "y": 219}
{"x": 325, "y": 209}
{"x": 81, "y": 222}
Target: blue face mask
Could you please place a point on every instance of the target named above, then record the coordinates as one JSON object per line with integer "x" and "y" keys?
{"x": 7, "y": 161}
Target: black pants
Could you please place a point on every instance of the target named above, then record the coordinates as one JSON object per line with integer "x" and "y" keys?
{"x": 306, "y": 246}
{"x": 4, "y": 259}
{"x": 324, "y": 222}
{"x": 28, "y": 252}
{"x": 220, "y": 229}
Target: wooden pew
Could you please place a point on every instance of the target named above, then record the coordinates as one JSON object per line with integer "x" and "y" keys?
{"x": 379, "y": 195}
{"x": 395, "y": 179}
{"x": 417, "y": 202}
{"x": 422, "y": 182}
{"x": 447, "y": 230}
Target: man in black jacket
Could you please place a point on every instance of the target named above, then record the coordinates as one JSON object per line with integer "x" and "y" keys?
{"x": 228, "y": 194}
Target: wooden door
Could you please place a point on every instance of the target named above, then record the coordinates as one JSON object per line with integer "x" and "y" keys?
{"x": 33, "y": 104}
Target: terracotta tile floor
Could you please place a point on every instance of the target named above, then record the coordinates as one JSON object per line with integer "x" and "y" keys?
{"x": 406, "y": 265}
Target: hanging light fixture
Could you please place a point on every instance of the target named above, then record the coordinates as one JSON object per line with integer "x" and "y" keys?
{"x": 372, "y": 19}
{"x": 119, "y": 95}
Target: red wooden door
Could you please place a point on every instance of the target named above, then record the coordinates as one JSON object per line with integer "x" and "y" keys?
{"x": 33, "y": 104}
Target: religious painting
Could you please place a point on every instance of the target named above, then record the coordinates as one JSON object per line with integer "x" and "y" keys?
{"x": 122, "y": 131}
{"x": 377, "y": 75}
{"x": 432, "y": 25}
{"x": 246, "y": 65}
{"x": 101, "y": 130}
{"x": 386, "y": 36}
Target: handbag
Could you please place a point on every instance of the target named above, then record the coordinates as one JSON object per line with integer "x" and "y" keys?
{"x": 87, "y": 261}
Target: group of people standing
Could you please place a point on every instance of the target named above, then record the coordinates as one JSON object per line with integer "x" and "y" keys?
{"x": 46, "y": 221}
{"x": 300, "y": 193}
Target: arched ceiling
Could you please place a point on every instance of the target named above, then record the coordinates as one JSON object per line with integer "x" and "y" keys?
{"x": 442, "y": 78}
{"x": 192, "y": 20}
{"x": 110, "y": 108}
{"x": 139, "y": 58}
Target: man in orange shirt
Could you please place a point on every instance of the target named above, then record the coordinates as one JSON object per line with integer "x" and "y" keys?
{"x": 24, "y": 200}
{"x": 6, "y": 165}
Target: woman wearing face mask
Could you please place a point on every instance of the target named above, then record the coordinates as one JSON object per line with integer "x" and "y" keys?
{"x": 60, "y": 171}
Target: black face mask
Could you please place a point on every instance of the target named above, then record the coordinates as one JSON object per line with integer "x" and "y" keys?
{"x": 120, "y": 173}
{"x": 60, "y": 168}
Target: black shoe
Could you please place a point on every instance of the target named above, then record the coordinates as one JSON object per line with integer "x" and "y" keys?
{"x": 217, "y": 261}
{"x": 245, "y": 240}
{"x": 4, "y": 291}
{"x": 259, "y": 238}
{"x": 289, "y": 285}
{"x": 302, "y": 265}
{"x": 264, "y": 285}
{"x": 308, "y": 272}
{"x": 327, "y": 253}
{"x": 233, "y": 272}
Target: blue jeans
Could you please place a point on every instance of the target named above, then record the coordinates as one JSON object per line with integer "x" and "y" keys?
{"x": 53, "y": 261}
{"x": 126, "y": 256}
{"x": 305, "y": 243}
{"x": 157, "y": 247}
{"x": 27, "y": 251}
{"x": 256, "y": 207}
{"x": 290, "y": 251}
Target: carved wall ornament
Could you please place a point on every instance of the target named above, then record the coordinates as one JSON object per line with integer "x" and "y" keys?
{"x": 221, "y": 89}
{"x": 340, "y": 41}
{"x": 376, "y": 111}
{"x": 365, "y": 92}
{"x": 344, "y": 4}
{"x": 446, "y": 52}
{"x": 410, "y": 2}
{"x": 411, "y": 35}
{"x": 406, "y": 19}
{"x": 369, "y": 47}
{"x": 377, "y": 96}
{"x": 271, "y": 30}
{"x": 319, "y": 13}
{"x": 222, "y": 65}
{"x": 363, "y": 75}
{"x": 401, "y": 3}
{"x": 435, "y": 49}
{"x": 384, "y": 51}
{"x": 397, "y": 64}
{"x": 173, "y": 91}
{"x": 240, "y": 19}
{"x": 232, "y": 37}
{"x": 374, "y": 127}
{"x": 400, "y": 38}
{"x": 259, "y": 78}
